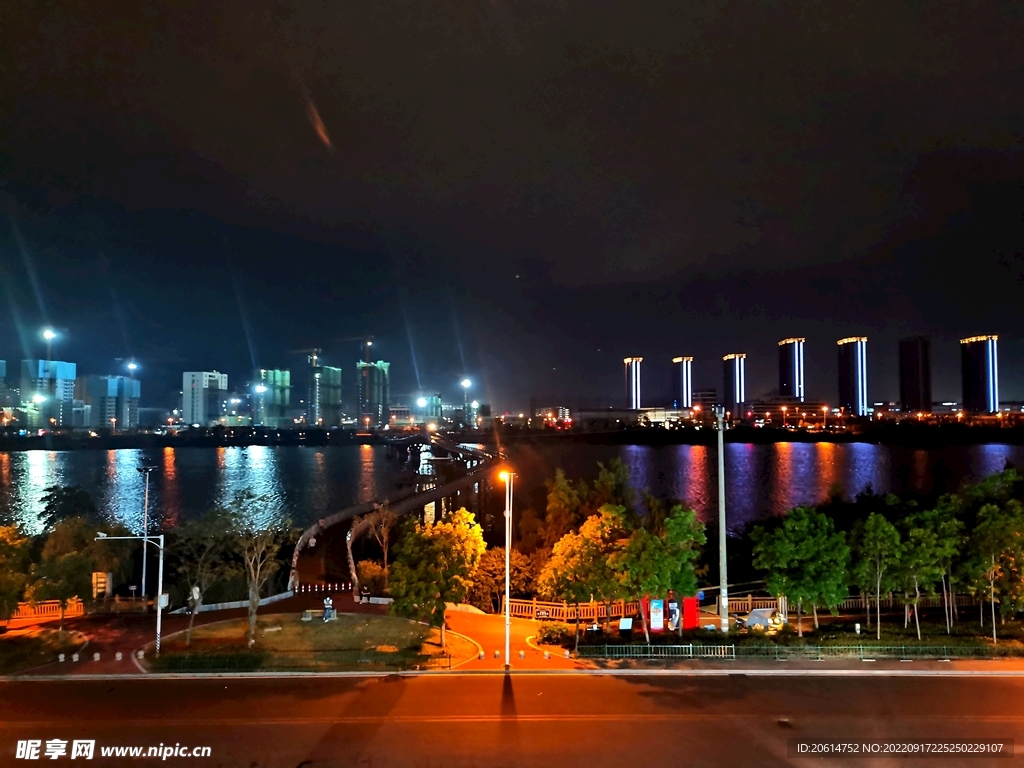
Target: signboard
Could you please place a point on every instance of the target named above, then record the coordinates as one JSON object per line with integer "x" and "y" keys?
{"x": 700, "y": 596}
{"x": 625, "y": 624}
{"x": 543, "y": 613}
{"x": 657, "y": 615}
{"x": 674, "y": 615}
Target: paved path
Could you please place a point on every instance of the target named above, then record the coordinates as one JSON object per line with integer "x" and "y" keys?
{"x": 489, "y": 632}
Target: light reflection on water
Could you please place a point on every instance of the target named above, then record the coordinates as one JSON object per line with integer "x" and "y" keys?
{"x": 764, "y": 480}
{"x": 305, "y": 484}
{"x": 301, "y": 484}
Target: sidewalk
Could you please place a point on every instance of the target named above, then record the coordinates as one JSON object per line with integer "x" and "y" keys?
{"x": 488, "y": 631}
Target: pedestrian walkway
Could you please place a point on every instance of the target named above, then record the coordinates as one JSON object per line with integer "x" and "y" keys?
{"x": 488, "y": 631}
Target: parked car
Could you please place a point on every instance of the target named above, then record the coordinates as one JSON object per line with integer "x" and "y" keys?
{"x": 766, "y": 620}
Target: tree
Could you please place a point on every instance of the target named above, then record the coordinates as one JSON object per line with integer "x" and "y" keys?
{"x": 62, "y": 503}
{"x": 201, "y": 546}
{"x": 371, "y": 576}
{"x": 878, "y": 555}
{"x": 382, "y": 521}
{"x": 562, "y": 508}
{"x": 13, "y": 564}
{"x": 257, "y": 542}
{"x": 434, "y": 566}
{"x": 62, "y": 578}
{"x": 920, "y": 565}
{"x": 489, "y": 577}
{"x": 654, "y": 562}
{"x": 997, "y": 546}
{"x": 359, "y": 526}
{"x": 805, "y": 560}
{"x": 579, "y": 570}
{"x": 78, "y": 535}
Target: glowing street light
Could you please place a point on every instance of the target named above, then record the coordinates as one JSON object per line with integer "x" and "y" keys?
{"x": 507, "y": 477}
{"x": 824, "y": 417}
{"x": 260, "y": 389}
{"x": 49, "y": 334}
{"x": 784, "y": 409}
{"x": 466, "y": 383}
{"x": 38, "y": 398}
{"x": 422, "y": 402}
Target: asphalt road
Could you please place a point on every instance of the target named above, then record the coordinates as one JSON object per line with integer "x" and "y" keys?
{"x": 519, "y": 720}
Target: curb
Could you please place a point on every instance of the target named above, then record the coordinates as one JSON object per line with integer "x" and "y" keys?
{"x": 525, "y": 673}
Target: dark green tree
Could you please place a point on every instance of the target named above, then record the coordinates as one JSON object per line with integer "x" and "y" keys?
{"x": 62, "y": 578}
{"x": 878, "y": 558}
{"x": 14, "y": 562}
{"x": 63, "y": 503}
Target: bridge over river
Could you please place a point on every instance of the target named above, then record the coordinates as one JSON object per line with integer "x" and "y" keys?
{"x": 450, "y": 477}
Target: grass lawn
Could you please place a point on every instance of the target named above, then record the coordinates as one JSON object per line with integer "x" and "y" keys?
{"x": 284, "y": 641}
{"x": 22, "y": 649}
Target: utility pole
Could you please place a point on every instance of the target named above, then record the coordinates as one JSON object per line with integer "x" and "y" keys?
{"x": 723, "y": 567}
{"x": 144, "y": 471}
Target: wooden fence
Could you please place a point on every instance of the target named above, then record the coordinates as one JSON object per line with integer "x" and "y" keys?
{"x": 849, "y": 605}
{"x": 538, "y": 609}
{"x": 48, "y": 609}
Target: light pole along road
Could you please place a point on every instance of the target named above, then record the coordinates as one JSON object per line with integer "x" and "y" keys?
{"x": 159, "y": 573}
{"x": 723, "y": 568}
{"x": 507, "y": 477}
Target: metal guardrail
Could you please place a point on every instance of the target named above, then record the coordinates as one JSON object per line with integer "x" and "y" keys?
{"x": 785, "y": 652}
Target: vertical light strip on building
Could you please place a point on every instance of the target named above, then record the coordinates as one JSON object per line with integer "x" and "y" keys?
{"x": 993, "y": 380}
{"x": 862, "y": 377}
{"x": 791, "y": 375}
{"x": 684, "y": 381}
{"x": 633, "y": 376}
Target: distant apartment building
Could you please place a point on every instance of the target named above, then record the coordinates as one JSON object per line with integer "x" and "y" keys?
{"x": 853, "y": 375}
{"x": 734, "y": 368}
{"x": 682, "y": 382}
{"x": 110, "y": 401}
{"x": 428, "y": 409}
{"x": 203, "y": 397}
{"x": 979, "y": 360}
{"x": 632, "y": 365}
{"x": 791, "y": 368}
{"x": 374, "y": 392}
{"x": 49, "y": 385}
{"x": 915, "y": 375}
{"x": 271, "y": 397}
{"x": 324, "y": 399}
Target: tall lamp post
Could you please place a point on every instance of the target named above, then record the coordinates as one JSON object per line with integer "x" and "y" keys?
{"x": 723, "y": 568}
{"x": 466, "y": 384}
{"x": 159, "y": 574}
{"x": 507, "y": 477}
{"x": 144, "y": 471}
{"x": 49, "y": 334}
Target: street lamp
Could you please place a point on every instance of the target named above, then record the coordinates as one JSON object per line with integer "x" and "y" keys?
{"x": 159, "y": 577}
{"x": 145, "y": 470}
{"x": 49, "y": 334}
{"x": 507, "y": 477}
{"x": 723, "y": 569}
{"x": 132, "y": 368}
{"x": 824, "y": 417}
{"x": 784, "y": 409}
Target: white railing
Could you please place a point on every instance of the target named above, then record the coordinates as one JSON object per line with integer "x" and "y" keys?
{"x": 48, "y": 609}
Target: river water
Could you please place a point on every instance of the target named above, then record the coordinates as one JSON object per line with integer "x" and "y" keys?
{"x": 304, "y": 483}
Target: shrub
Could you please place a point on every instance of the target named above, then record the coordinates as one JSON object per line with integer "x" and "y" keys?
{"x": 556, "y": 633}
{"x": 371, "y": 575}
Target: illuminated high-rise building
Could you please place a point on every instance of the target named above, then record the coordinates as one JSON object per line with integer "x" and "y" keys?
{"x": 853, "y": 375}
{"x": 633, "y": 381}
{"x": 791, "y": 368}
{"x": 272, "y": 397}
{"x": 980, "y": 370}
{"x": 735, "y": 370}
{"x": 374, "y": 391}
{"x": 203, "y": 397}
{"x": 915, "y": 375}
{"x": 682, "y": 382}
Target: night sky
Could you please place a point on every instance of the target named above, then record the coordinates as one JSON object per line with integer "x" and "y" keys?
{"x": 524, "y": 192}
